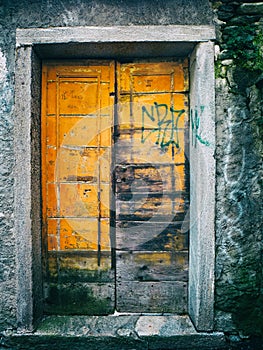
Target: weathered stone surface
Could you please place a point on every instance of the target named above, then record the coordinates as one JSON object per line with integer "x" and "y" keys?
{"x": 238, "y": 270}
{"x": 244, "y": 20}
{"x": 239, "y": 173}
{"x": 7, "y": 240}
{"x": 202, "y": 185}
{"x": 113, "y": 34}
{"x": 251, "y": 8}
{"x": 70, "y": 13}
{"x": 116, "y": 332}
{"x": 147, "y": 326}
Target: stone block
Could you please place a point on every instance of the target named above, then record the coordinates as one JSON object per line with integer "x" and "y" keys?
{"x": 251, "y": 8}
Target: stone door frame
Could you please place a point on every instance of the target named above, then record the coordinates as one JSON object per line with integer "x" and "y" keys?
{"x": 35, "y": 44}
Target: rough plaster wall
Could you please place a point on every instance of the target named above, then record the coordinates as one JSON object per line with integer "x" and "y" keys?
{"x": 23, "y": 14}
{"x": 7, "y": 243}
{"x": 239, "y": 199}
{"x": 106, "y": 12}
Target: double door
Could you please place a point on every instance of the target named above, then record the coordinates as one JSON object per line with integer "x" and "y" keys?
{"x": 115, "y": 186}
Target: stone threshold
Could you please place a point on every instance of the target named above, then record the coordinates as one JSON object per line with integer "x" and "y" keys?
{"x": 118, "y": 331}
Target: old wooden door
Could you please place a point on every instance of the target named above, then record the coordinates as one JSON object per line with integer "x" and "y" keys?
{"x": 115, "y": 187}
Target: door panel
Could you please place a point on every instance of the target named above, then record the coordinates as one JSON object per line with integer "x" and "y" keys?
{"x": 127, "y": 250}
{"x": 77, "y": 119}
{"x": 151, "y": 188}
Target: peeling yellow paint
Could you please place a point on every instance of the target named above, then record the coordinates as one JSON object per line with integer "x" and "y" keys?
{"x": 77, "y": 112}
{"x": 77, "y": 123}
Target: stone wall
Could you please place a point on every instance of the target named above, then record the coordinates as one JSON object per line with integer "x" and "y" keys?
{"x": 239, "y": 93}
{"x": 22, "y": 14}
{"x": 239, "y": 128}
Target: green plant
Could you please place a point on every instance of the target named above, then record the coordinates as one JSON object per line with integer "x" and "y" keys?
{"x": 245, "y": 45}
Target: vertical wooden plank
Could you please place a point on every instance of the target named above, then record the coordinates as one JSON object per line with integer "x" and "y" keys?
{"x": 43, "y": 147}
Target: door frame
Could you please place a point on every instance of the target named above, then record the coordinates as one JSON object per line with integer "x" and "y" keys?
{"x": 35, "y": 44}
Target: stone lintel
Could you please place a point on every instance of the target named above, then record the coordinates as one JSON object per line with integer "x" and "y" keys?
{"x": 168, "y": 33}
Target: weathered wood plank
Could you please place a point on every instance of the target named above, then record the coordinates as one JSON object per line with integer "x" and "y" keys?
{"x": 152, "y": 236}
{"x": 150, "y": 80}
{"x": 130, "y": 150}
{"x": 149, "y": 178}
{"x": 80, "y": 298}
{"x": 152, "y": 266}
{"x": 146, "y": 206}
{"x": 76, "y": 268}
{"x": 152, "y": 297}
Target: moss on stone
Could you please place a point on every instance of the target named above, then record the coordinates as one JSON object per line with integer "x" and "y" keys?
{"x": 76, "y": 300}
{"x": 249, "y": 316}
{"x": 218, "y": 69}
{"x": 245, "y": 45}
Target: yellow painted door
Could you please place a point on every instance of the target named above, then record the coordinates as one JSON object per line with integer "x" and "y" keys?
{"x": 77, "y": 116}
{"x": 122, "y": 127}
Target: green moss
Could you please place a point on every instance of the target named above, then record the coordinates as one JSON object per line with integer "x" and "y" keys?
{"x": 245, "y": 45}
{"x": 216, "y": 4}
{"x": 53, "y": 324}
{"x": 76, "y": 300}
{"x": 249, "y": 316}
{"x": 218, "y": 68}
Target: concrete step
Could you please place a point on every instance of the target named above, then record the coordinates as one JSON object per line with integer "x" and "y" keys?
{"x": 118, "y": 331}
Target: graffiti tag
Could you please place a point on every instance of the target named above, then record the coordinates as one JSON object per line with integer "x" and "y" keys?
{"x": 166, "y": 120}
{"x": 195, "y": 117}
